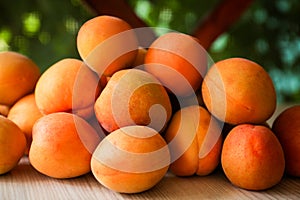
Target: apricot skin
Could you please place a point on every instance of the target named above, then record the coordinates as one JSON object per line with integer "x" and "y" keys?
{"x": 252, "y": 157}
{"x": 287, "y": 128}
{"x": 133, "y": 140}
{"x": 237, "y": 90}
{"x": 18, "y": 76}
{"x": 177, "y": 56}
{"x": 12, "y": 144}
{"x": 191, "y": 132}
{"x": 62, "y": 86}
{"x": 62, "y": 145}
{"x": 107, "y": 44}
{"x": 127, "y": 99}
{"x": 25, "y": 113}
{"x": 4, "y": 109}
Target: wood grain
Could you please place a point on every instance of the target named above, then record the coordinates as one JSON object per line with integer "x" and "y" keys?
{"x": 24, "y": 182}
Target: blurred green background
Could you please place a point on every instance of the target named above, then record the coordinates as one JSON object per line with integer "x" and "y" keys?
{"x": 268, "y": 32}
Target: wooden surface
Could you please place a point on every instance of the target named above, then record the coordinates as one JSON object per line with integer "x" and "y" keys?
{"x": 24, "y": 182}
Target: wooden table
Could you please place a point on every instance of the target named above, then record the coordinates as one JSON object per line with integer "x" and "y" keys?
{"x": 24, "y": 182}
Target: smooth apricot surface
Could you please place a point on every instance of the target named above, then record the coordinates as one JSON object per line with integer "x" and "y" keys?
{"x": 195, "y": 142}
{"x": 178, "y": 61}
{"x": 67, "y": 86}
{"x": 4, "y": 109}
{"x": 62, "y": 145}
{"x": 287, "y": 128}
{"x": 133, "y": 96}
{"x": 12, "y": 144}
{"x": 252, "y": 157}
{"x": 237, "y": 90}
{"x": 25, "y": 113}
{"x": 18, "y": 76}
{"x": 107, "y": 44}
{"x": 131, "y": 159}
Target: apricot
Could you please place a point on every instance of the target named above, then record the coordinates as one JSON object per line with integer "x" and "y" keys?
{"x": 252, "y": 157}
{"x": 4, "y": 109}
{"x": 195, "y": 142}
{"x": 25, "y": 113}
{"x": 18, "y": 76}
{"x": 177, "y": 56}
{"x": 62, "y": 145}
{"x": 131, "y": 159}
{"x": 133, "y": 96}
{"x": 237, "y": 90}
{"x": 12, "y": 144}
{"x": 287, "y": 128}
{"x": 67, "y": 86}
{"x": 107, "y": 44}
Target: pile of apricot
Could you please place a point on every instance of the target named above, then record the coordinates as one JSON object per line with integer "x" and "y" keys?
{"x": 130, "y": 113}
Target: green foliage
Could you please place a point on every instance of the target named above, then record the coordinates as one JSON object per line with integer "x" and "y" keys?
{"x": 43, "y": 30}
{"x": 178, "y": 15}
{"x": 268, "y": 33}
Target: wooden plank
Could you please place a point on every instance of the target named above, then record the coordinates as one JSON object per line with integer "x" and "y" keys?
{"x": 24, "y": 182}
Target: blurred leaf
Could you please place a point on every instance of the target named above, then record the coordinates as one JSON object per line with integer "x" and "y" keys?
{"x": 43, "y": 30}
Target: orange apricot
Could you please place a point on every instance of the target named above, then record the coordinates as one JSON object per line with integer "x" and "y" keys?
{"x": 107, "y": 44}
{"x": 12, "y": 144}
{"x": 178, "y": 61}
{"x": 237, "y": 90}
{"x": 287, "y": 128}
{"x": 25, "y": 113}
{"x": 67, "y": 86}
{"x": 62, "y": 145}
{"x": 131, "y": 159}
{"x": 4, "y": 109}
{"x": 252, "y": 157}
{"x": 133, "y": 96}
{"x": 18, "y": 76}
{"x": 195, "y": 142}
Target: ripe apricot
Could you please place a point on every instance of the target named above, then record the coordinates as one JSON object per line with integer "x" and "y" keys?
{"x": 131, "y": 159}
{"x": 287, "y": 128}
{"x": 133, "y": 96}
{"x": 18, "y": 76}
{"x": 107, "y": 44}
{"x": 178, "y": 61}
{"x": 62, "y": 145}
{"x": 25, "y": 113}
{"x": 252, "y": 157}
{"x": 195, "y": 142}
{"x": 4, "y": 109}
{"x": 12, "y": 144}
{"x": 237, "y": 90}
{"x": 67, "y": 86}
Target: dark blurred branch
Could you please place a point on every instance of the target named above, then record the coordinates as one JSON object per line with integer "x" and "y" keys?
{"x": 224, "y": 15}
{"x": 118, "y": 8}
